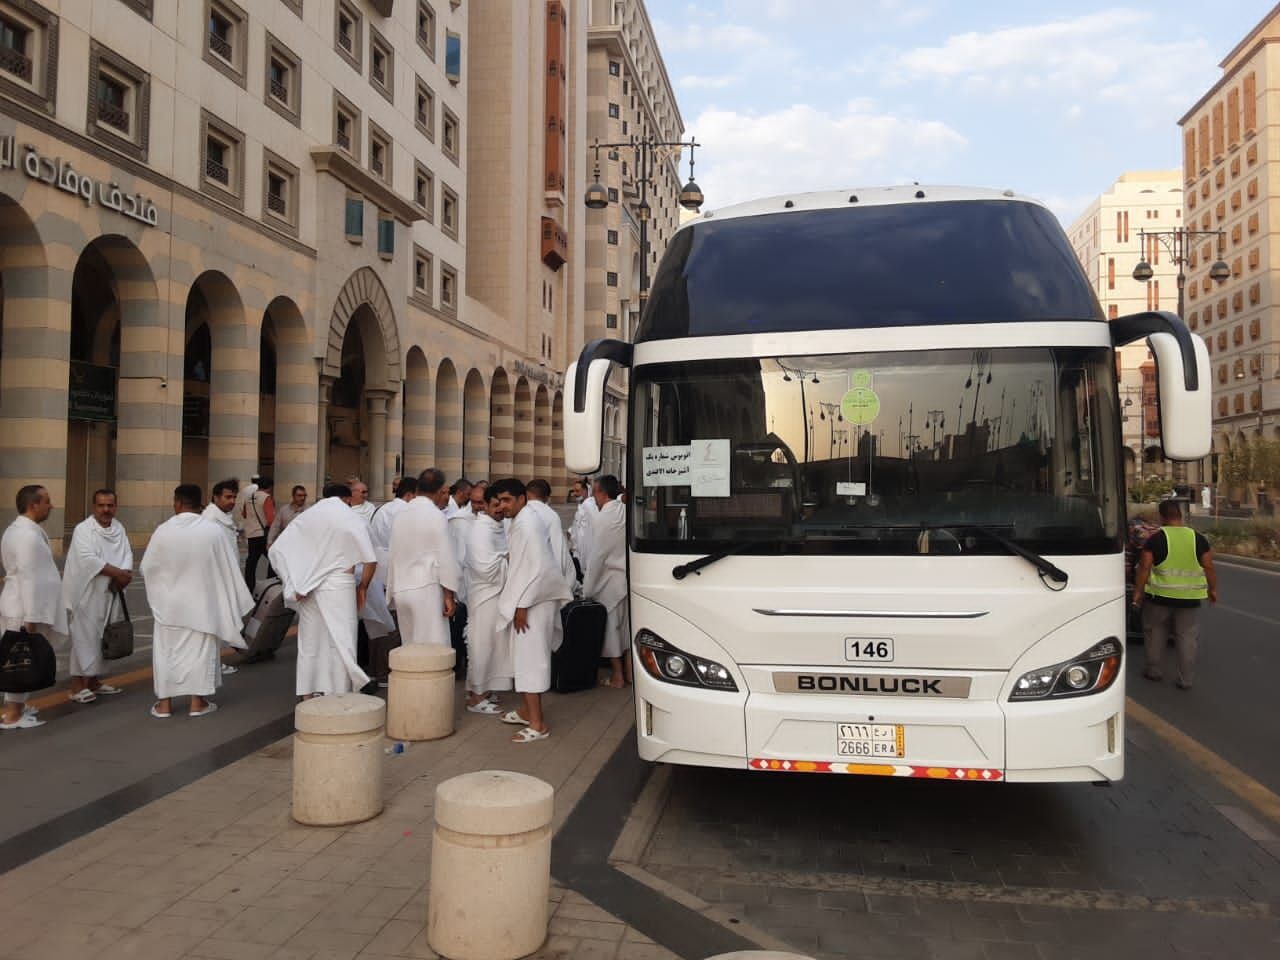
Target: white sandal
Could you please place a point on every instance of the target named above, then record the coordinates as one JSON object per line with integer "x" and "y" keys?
{"x": 484, "y": 706}
{"x": 83, "y": 696}
{"x": 107, "y": 690}
{"x": 512, "y": 717}
{"x": 28, "y": 721}
{"x": 210, "y": 707}
{"x": 529, "y": 735}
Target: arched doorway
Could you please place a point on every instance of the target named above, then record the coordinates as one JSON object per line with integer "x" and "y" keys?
{"x": 448, "y": 421}
{"x": 523, "y": 434}
{"x": 475, "y": 427}
{"x": 419, "y": 413}
{"x": 542, "y": 434}
{"x": 501, "y": 426}
{"x": 362, "y": 371}
{"x": 286, "y": 390}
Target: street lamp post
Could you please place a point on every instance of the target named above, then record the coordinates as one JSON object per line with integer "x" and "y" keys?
{"x": 643, "y": 151}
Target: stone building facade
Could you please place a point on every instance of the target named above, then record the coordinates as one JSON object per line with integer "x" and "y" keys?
{"x": 235, "y": 236}
{"x": 1231, "y": 174}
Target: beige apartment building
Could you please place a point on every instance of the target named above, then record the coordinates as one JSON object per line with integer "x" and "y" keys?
{"x": 1110, "y": 237}
{"x": 1231, "y": 172}
{"x": 238, "y": 236}
{"x": 629, "y": 96}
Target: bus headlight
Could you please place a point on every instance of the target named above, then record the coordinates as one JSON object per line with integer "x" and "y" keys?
{"x": 667, "y": 663}
{"x": 1092, "y": 672}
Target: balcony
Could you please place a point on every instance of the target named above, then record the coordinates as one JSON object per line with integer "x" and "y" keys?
{"x": 113, "y": 116}
{"x": 376, "y": 165}
{"x": 276, "y": 204}
{"x": 555, "y": 244}
{"x": 15, "y": 62}
{"x": 221, "y": 46}
{"x": 280, "y": 91}
{"x": 216, "y": 171}
{"x": 344, "y": 139}
{"x": 345, "y": 41}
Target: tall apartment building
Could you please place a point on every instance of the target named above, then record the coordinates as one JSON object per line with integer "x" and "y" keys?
{"x": 1109, "y": 241}
{"x": 234, "y": 236}
{"x": 629, "y": 97}
{"x": 1231, "y": 171}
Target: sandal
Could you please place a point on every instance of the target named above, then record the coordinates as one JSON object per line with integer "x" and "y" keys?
{"x": 28, "y": 721}
{"x": 528, "y": 735}
{"x": 82, "y": 696}
{"x": 512, "y": 717}
{"x": 158, "y": 715}
{"x": 211, "y": 707}
{"x": 107, "y": 690}
{"x": 484, "y": 706}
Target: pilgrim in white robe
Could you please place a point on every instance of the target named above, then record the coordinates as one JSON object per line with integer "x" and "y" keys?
{"x": 315, "y": 558}
{"x": 420, "y": 567}
{"x": 32, "y": 588}
{"x": 375, "y": 615}
{"x": 489, "y": 665}
{"x": 459, "y": 535}
{"x": 198, "y": 599}
{"x": 365, "y": 510}
{"x": 557, "y": 540}
{"x": 536, "y": 583}
{"x": 580, "y": 531}
{"x": 86, "y": 595}
{"x": 606, "y": 576}
{"x": 225, "y": 524}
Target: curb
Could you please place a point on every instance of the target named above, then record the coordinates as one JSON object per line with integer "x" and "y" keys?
{"x": 1254, "y": 563}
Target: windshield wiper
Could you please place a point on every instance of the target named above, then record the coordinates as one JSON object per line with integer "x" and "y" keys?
{"x": 1050, "y": 570}
{"x": 693, "y": 566}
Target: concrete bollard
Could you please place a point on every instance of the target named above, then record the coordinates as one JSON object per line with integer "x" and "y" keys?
{"x": 337, "y": 759}
{"x": 490, "y": 866}
{"x": 420, "y": 692}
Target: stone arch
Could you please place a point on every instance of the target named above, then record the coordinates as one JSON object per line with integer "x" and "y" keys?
{"x": 448, "y": 421}
{"x": 522, "y": 465}
{"x": 475, "y": 426}
{"x": 419, "y": 413}
{"x": 501, "y": 426}
{"x": 363, "y": 298}
{"x": 542, "y": 433}
{"x": 286, "y": 416}
{"x": 557, "y": 439}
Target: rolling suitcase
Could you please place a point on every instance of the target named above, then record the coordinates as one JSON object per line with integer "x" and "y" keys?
{"x": 380, "y": 656}
{"x": 270, "y": 620}
{"x": 576, "y": 665}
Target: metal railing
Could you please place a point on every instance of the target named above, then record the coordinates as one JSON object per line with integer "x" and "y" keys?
{"x": 15, "y": 62}
{"x": 279, "y": 91}
{"x": 276, "y": 204}
{"x": 220, "y": 45}
{"x": 216, "y": 171}
{"x": 113, "y": 116}
{"x": 344, "y": 140}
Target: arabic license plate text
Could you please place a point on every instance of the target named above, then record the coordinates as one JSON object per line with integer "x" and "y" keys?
{"x": 870, "y": 741}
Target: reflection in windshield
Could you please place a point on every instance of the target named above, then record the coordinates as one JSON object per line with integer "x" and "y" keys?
{"x": 860, "y": 453}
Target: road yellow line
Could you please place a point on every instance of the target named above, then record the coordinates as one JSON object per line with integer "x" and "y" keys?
{"x": 1230, "y": 776}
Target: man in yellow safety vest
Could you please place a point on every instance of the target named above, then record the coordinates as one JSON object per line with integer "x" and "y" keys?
{"x": 1175, "y": 573}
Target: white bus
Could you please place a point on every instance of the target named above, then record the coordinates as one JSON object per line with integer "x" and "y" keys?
{"x": 876, "y": 488}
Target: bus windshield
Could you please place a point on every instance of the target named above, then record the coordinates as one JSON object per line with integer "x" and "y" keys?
{"x": 888, "y": 453}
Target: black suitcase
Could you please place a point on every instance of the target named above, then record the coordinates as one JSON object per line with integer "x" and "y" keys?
{"x": 270, "y": 620}
{"x": 576, "y": 665}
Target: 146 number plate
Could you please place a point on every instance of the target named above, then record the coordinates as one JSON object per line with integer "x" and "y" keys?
{"x": 870, "y": 740}
{"x": 868, "y": 649}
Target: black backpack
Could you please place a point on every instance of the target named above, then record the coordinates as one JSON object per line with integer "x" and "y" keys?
{"x": 27, "y": 662}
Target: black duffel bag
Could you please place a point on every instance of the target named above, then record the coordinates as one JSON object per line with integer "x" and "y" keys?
{"x": 27, "y": 663}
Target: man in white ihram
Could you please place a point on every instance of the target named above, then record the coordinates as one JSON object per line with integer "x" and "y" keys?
{"x": 99, "y": 565}
{"x": 538, "y": 493}
{"x": 489, "y": 667}
{"x": 32, "y": 595}
{"x": 580, "y": 529}
{"x": 220, "y": 511}
{"x": 316, "y": 558}
{"x": 360, "y": 504}
{"x": 198, "y": 599}
{"x": 423, "y": 577}
{"x": 375, "y": 614}
{"x": 606, "y": 576}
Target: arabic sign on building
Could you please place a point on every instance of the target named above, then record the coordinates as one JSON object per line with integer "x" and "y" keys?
{"x": 58, "y": 173}
{"x": 92, "y": 392}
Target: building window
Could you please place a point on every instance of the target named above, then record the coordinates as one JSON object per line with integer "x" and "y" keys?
{"x": 294, "y": 5}
{"x": 613, "y": 194}
{"x": 448, "y": 288}
{"x": 1111, "y": 273}
{"x": 612, "y": 237}
{"x": 427, "y": 28}
{"x": 222, "y": 161}
{"x": 379, "y": 152}
{"x": 381, "y": 65}
{"x": 453, "y": 56}
{"x": 346, "y": 126}
{"x": 611, "y": 321}
{"x": 422, "y": 274}
{"x": 613, "y": 111}
{"x": 615, "y": 68}
{"x": 353, "y": 219}
{"x": 424, "y": 113}
{"x": 424, "y": 190}
{"x": 279, "y": 192}
{"x": 449, "y": 212}
{"x": 449, "y": 134}
{"x": 119, "y": 102}
{"x": 386, "y": 237}
{"x": 28, "y": 53}
{"x": 283, "y": 81}
{"x": 15, "y": 48}
{"x": 227, "y": 41}
{"x": 143, "y": 7}
{"x": 346, "y": 33}
{"x": 611, "y": 279}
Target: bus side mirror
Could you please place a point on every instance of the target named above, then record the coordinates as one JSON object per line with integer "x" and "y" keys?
{"x": 1186, "y": 416}
{"x": 584, "y": 429}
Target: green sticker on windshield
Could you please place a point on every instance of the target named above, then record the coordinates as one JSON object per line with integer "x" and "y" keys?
{"x": 860, "y": 379}
{"x": 860, "y": 405}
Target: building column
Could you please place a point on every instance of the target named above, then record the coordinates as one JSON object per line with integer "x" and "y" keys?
{"x": 376, "y": 401}
{"x": 322, "y": 433}
{"x": 233, "y": 401}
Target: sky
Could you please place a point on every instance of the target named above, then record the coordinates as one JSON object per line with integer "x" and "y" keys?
{"x": 1053, "y": 100}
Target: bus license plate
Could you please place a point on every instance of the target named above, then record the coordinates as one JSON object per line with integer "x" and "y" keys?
{"x": 870, "y": 741}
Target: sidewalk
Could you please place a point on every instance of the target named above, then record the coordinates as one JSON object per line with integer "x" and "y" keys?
{"x": 219, "y": 871}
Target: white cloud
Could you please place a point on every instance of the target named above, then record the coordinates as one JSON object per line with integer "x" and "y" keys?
{"x": 801, "y": 148}
{"x": 709, "y": 36}
{"x": 695, "y": 81}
